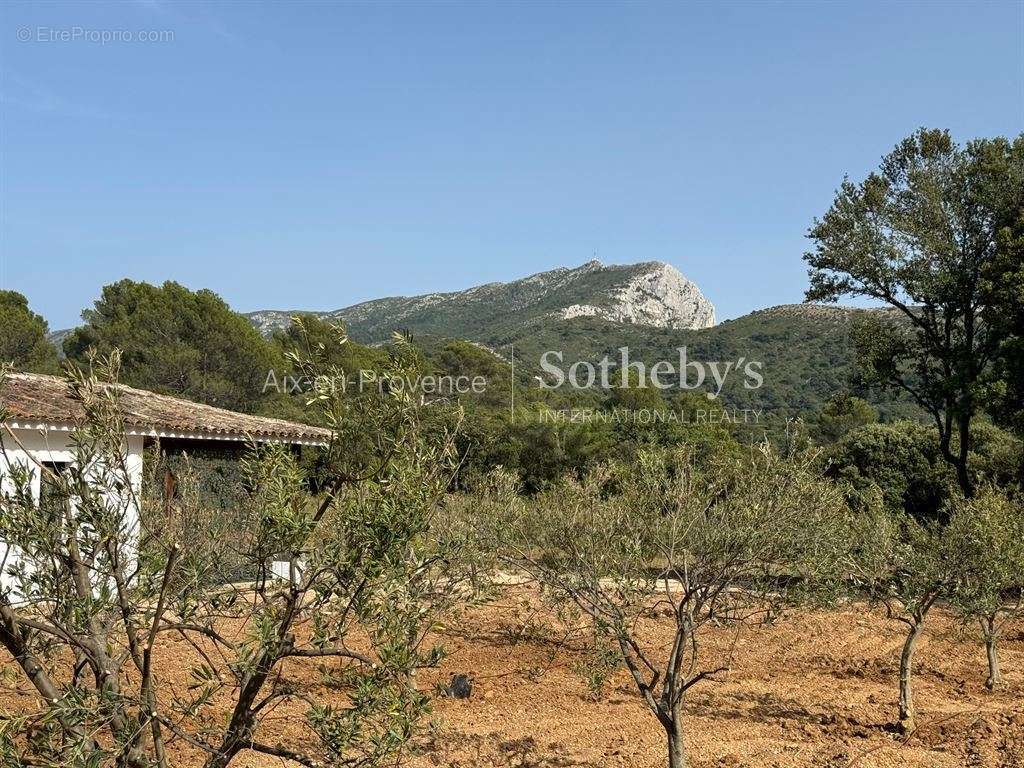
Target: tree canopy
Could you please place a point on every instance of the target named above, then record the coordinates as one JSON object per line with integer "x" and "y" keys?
{"x": 23, "y": 334}
{"x": 316, "y": 334}
{"x": 1004, "y": 288}
{"x": 928, "y": 235}
{"x": 842, "y": 414}
{"x": 177, "y": 341}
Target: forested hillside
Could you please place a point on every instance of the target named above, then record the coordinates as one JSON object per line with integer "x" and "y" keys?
{"x": 806, "y": 351}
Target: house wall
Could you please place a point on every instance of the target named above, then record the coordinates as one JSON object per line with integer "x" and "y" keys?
{"x": 54, "y": 445}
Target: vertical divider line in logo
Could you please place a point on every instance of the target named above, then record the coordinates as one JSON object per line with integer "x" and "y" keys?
{"x": 512, "y": 360}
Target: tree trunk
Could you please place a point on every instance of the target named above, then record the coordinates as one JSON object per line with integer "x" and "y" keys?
{"x": 12, "y": 638}
{"x": 907, "y": 714}
{"x": 995, "y": 677}
{"x": 676, "y": 749}
{"x": 676, "y": 745}
{"x": 963, "y": 476}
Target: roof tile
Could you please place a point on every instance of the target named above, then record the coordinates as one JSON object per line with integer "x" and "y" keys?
{"x": 37, "y": 397}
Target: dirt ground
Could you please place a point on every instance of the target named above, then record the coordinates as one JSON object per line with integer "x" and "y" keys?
{"x": 816, "y": 690}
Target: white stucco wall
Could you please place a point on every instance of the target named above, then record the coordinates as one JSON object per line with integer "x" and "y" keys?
{"x": 54, "y": 445}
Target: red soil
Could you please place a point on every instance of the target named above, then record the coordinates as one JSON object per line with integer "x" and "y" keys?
{"x": 816, "y": 690}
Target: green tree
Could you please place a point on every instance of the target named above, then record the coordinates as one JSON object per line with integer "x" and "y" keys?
{"x": 541, "y": 451}
{"x": 905, "y": 567}
{"x": 900, "y": 460}
{"x": 923, "y": 235}
{"x": 903, "y": 461}
{"x": 463, "y": 358}
{"x": 179, "y": 342}
{"x": 23, "y": 341}
{"x": 842, "y": 414}
{"x": 630, "y": 392}
{"x": 997, "y": 456}
{"x": 315, "y": 334}
{"x": 986, "y": 543}
{"x": 1004, "y": 302}
{"x": 350, "y": 364}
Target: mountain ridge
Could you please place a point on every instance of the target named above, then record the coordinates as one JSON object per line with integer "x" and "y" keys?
{"x": 586, "y": 313}
{"x": 650, "y": 293}
{"x": 591, "y": 311}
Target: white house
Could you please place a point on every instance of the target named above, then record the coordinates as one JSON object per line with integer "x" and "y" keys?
{"x": 41, "y": 417}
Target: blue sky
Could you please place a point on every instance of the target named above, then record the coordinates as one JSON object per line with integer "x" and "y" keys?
{"x": 302, "y": 155}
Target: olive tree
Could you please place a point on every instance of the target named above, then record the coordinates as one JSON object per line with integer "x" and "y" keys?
{"x": 727, "y": 545}
{"x": 903, "y": 564}
{"x": 95, "y": 592}
{"x": 986, "y": 540}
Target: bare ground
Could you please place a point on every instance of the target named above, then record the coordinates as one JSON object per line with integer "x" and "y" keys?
{"x": 816, "y": 690}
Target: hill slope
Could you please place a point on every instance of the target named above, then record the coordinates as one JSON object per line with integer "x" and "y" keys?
{"x": 650, "y": 294}
{"x": 806, "y": 352}
{"x": 584, "y": 314}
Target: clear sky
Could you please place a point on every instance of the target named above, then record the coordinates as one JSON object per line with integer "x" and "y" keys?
{"x": 312, "y": 155}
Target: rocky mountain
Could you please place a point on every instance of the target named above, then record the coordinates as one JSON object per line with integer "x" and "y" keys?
{"x": 651, "y": 294}
{"x": 805, "y": 351}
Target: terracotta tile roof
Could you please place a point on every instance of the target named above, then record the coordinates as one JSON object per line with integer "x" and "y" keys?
{"x": 39, "y": 399}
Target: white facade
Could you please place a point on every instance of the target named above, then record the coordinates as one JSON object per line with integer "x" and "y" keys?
{"x": 29, "y": 445}
{"x": 42, "y": 414}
